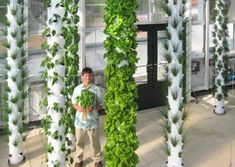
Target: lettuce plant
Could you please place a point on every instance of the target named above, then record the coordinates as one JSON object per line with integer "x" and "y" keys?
{"x": 121, "y": 89}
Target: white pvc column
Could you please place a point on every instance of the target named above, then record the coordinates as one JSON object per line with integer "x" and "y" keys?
{"x": 26, "y": 110}
{"x": 188, "y": 51}
{"x": 174, "y": 158}
{"x": 56, "y": 156}
{"x": 207, "y": 23}
{"x": 15, "y": 121}
{"x": 82, "y": 33}
{"x": 233, "y": 36}
{"x": 150, "y": 11}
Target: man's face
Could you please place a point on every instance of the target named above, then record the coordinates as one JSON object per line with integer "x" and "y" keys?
{"x": 87, "y": 78}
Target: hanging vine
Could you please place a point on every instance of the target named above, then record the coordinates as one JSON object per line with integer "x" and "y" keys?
{"x": 220, "y": 58}
{"x": 121, "y": 89}
{"x": 16, "y": 78}
{"x": 174, "y": 53}
{"x": 54, "y": 74}
{"x": 71, "y": 61}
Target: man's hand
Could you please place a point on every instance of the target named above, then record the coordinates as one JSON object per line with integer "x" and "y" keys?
{"x": 90, "y": 109}
{"x": 81, "y": 109}
{"x": 78, "y": 108}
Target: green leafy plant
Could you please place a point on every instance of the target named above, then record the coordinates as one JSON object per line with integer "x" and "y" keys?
{"x": 85, "y": 100}
{"x": 121, "y": 89}
{"x": 71, "y": 63}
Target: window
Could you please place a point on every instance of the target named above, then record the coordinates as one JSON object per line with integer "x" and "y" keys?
{"x": 197, "y": 38}
{"x": 142, "y": 54}
{"x": 197, "y": 11}
{"x": 197, "y": 14}
{"x": 95, "y": 13}
{"x": 162, "y": 63}
{"x": 37, "y": 16}
{"x": 3, "y": 11}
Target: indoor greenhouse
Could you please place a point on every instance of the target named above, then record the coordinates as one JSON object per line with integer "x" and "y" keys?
{"x": 117, "y": 83}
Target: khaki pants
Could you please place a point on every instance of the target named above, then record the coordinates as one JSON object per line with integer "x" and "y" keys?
{"x": 93, "y": 135}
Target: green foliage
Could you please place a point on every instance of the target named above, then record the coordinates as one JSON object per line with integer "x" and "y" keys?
{"x": 164, "y": 113}
{"x": 6, "y": 44}
{"x": 49, "y": 148}
{"x": 15, "y": 143}
{"x": 184, "y": 115}
{"x": 219, "y": 97}
{"x": 174, "y": 71}
{"x": 167, "y": 150}
{"x": 180, "y": 154}
{"x": 121, "y": 90}
{"x": 70, "y": 62}
{"x": 174, "y": 141}
{"x": 166, "y": 127}
{"x": 174, "y": 23}
{"x": 175, "y": 47}
{"x": 168, "y": 57}
{"x": 55, "y": 135}
{"x": 175, "y": 118}
{"x": 46, "y": 122}
{"x": 166, "y": 9}
{"x": 86, "y": 99}
{"x": 174, "y": 94}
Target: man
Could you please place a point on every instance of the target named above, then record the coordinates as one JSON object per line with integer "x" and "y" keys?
{"x": 90, "y": 124}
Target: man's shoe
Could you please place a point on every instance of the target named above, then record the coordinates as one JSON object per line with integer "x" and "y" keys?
{"x": 78, "y": 164}
{"x": 98, "y": 164}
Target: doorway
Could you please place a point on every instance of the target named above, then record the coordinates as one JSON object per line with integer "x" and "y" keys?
{"x": 152, "y": 92}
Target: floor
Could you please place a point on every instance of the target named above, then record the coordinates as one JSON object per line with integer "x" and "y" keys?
{"x": 210, "y": 138}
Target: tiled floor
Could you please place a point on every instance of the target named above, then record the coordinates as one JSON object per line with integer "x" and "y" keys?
{"x": 210, "y": 138}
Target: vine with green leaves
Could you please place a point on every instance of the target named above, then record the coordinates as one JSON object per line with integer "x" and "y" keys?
{"x": 71, "y": 62}
{"x": 15, "y": 75}
{"x": 175, "y": 114}
{"x": 121, "y": 89}
{"x": 220, "y": 57}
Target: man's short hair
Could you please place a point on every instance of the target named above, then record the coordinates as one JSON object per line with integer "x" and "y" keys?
{"x": 87, "y": 70}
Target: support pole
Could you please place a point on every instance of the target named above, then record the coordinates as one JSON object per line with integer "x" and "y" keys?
{"x": 206, "y": 44}
{"x": 82, "y": 26}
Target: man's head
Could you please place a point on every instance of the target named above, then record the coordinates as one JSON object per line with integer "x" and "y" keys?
{"x": 87, "y": 76}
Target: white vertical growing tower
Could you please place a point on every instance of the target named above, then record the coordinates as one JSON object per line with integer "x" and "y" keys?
{"x": 15, "y": 75}
{"x": 54, "y": 74}
{"x": 175, "y": 56}
{"x": 220, "y": 60}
